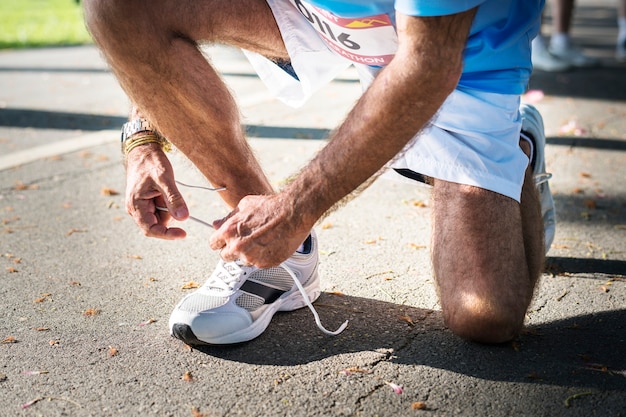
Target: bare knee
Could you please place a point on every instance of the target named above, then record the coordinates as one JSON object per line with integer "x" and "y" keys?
{"x": 482, "y": 319}
{"x": 126, "y": 24}
{"x": 108, "y": 16}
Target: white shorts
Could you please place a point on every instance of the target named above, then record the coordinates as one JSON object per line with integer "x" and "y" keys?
{"x": 473, "y": 139}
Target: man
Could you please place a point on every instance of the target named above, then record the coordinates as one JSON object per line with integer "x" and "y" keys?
{"x": 442, "y": 105}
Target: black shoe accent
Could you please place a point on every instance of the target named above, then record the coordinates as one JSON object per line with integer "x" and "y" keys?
{"x": 184, "y": 333}
{"x": 416, "y": 176}
{"x": 307, "y": 246}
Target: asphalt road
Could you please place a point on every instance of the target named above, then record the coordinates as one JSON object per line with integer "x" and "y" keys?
{"x": 85, "y": 297}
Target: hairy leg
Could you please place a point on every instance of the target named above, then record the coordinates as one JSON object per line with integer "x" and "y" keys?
{"x": 487, "y": 256}
{"x": 152, "y": 47}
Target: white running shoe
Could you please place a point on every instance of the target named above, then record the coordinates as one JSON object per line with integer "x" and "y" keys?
{"x": 532, "y": 127}
{"x": 574, "y": 56}
{"x": 543, "y": 60}
{"x": 237, "y": 302}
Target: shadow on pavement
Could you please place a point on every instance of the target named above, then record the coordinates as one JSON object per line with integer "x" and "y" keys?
{"x": 45, "y": 119}
{"x": 561, "y": 265}
{"x": 581, "y": 142}
{"x": 605, "y": 82}
{"x": 583, "y": 351}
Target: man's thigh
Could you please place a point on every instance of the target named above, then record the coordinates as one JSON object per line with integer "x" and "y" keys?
{"x": 247, "y": 24}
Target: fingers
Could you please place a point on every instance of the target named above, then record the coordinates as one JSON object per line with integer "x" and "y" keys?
{"x": 174, "y": 200}
{"x": 150, "y": 184}
{"x": 153, "y": 222}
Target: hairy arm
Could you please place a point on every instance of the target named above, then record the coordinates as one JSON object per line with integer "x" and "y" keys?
{"x": 265, "y": 230}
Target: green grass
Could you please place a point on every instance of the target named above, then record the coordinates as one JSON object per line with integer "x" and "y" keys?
{"x": 32, "y": 23}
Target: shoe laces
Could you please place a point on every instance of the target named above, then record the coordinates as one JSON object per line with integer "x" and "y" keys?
{"x": 308, "y": 303}
{"x": 226, "y": 276}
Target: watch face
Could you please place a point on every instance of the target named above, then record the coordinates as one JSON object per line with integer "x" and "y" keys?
{"x": 135, "y": 126}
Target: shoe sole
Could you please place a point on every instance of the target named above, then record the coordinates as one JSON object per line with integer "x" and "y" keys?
{"x": 288, "y": 302}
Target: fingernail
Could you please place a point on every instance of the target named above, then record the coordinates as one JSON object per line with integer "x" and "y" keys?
{"x": 180, "y": 212}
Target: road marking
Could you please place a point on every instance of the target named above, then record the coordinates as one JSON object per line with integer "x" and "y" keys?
{"x": 26, "y": 156}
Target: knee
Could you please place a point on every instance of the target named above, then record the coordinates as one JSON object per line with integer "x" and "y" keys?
{"x": 484, "y": 320}
{"x": 107, "y": 20}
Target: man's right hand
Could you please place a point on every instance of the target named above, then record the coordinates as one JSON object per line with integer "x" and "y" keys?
{"x": 150, "y": 184}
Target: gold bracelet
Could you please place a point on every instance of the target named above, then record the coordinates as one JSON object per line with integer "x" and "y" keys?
{"x": 144, "y": 139}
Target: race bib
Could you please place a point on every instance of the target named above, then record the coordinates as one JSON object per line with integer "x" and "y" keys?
{"x": 368, "y": 40}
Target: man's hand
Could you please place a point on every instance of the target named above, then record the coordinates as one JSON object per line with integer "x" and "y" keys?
{"x": 262, "y": 231}
{"x": 150, "y": 184}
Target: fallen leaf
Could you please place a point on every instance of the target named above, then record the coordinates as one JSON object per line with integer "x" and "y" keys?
{"x": 145, "y": 323}
{"x": 11, "y": 270}
{"x": 195, "y": 412}
{"x": 585, "y": 174}
{"x": 91, "y": 312}
{"x": 72, "y": 231}
{"x": 112, "y": 351}
{"x": 31, "y": 402}
{"x": 354, "y": 370}
{"x": 416, "y": 246}
{"x": 8, "y": 339}
{"x": 188, "y": 377}
{"x": 407, "y": 319}
{"x": 42, "y": 329}
{"x": 190, "y": 285}
{"x": 135, "y": 257}
{"x": 572, "y": 128}
{"x": 603, "y": 288}
{"x": 419, "y": 204}
{"x": 53, "y": 342}
{"x": 75, "y": 283}
{"x": 20, "y": 186}
{"x": 559, "y": 246}
{"x": 395, "y": 387}
{"x": 42, "y": 298}
{"x": 327, "y": 226}
{"x": 590, "y": 204}
{"x": 30, "y": 373}
{"x": 569, "y": 399}
{"x": 419, "y": 405}
{"x": 108, "y": 191}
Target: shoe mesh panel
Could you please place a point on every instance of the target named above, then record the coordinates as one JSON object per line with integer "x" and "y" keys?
{"x": 199, "y": 302}
{"x": 249, "y": 302}
{"x": 276, "y": 277}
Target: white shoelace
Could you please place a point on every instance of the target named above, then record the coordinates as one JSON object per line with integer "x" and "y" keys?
{"x": 308, "y": 303}
{"x": 226, "y": 277}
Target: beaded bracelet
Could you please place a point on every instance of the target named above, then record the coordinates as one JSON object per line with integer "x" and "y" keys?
{"x": 144, "y": 139}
